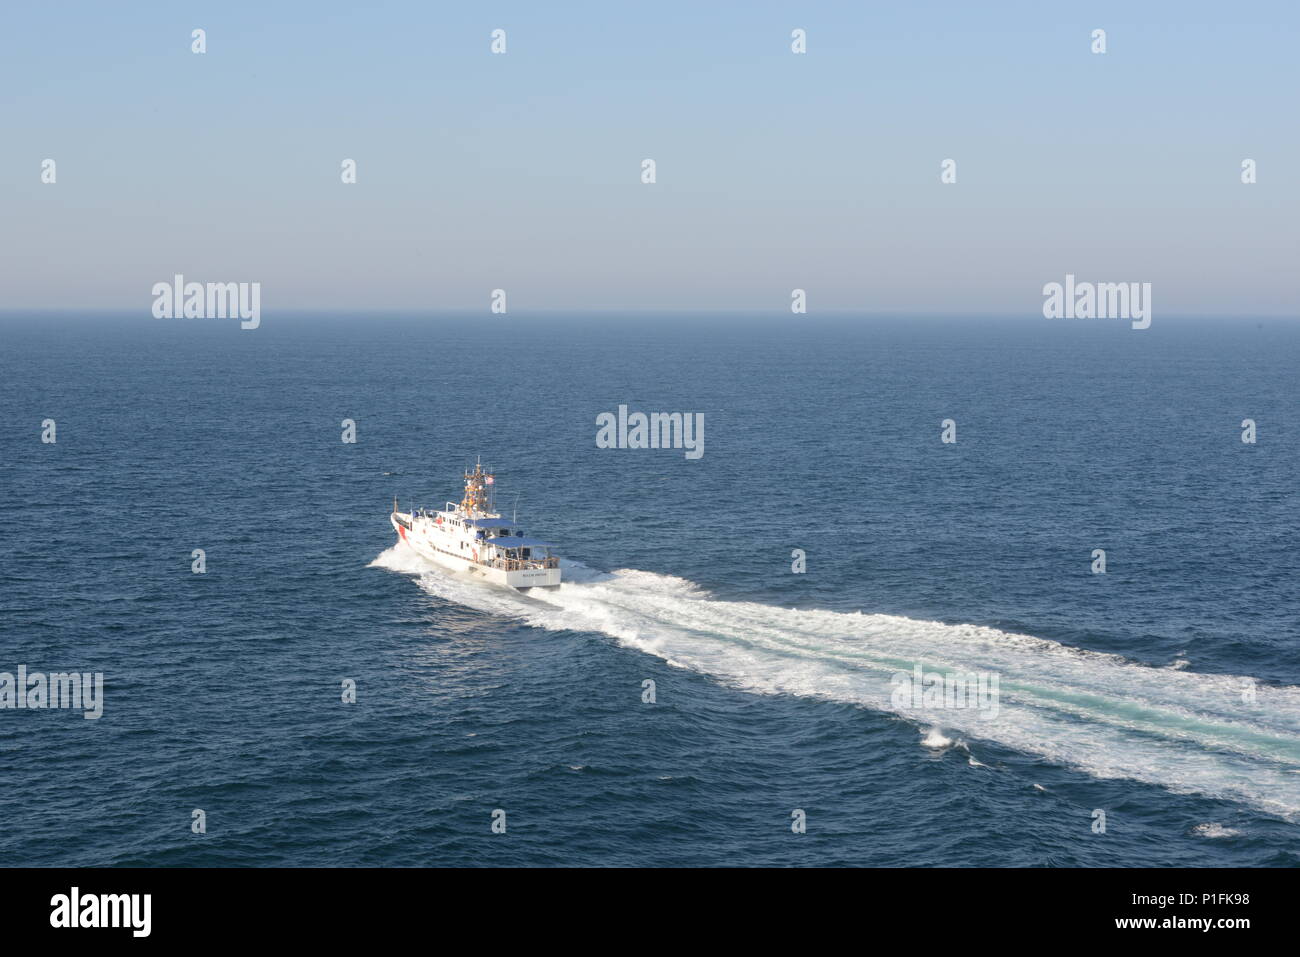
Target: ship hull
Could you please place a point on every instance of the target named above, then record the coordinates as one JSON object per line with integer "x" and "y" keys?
{"x": 436, "y": 551}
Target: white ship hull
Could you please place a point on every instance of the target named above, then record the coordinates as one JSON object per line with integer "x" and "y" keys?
{"x": 461, "y": 553}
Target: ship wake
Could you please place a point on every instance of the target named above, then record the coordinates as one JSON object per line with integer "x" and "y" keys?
{"x": 1099, "y": 713}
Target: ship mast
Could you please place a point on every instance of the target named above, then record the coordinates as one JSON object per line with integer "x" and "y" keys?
{"x": 475, "y": 502}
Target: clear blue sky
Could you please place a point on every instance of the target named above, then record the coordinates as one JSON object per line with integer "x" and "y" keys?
{"x": 775, "y": 171}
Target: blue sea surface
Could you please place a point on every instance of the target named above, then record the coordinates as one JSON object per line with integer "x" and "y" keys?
{"x": 1164, "y": 693}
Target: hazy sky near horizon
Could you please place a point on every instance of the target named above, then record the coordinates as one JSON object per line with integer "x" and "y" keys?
{"x": 522, "y": 171}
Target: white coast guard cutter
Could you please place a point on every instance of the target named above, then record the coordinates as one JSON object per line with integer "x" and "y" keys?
{"x": 473, "y": 537}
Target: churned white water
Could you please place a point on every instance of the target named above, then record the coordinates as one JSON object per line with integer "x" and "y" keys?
{"x": 1099, "y": 713}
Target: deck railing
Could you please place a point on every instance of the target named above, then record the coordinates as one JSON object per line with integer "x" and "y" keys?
{"x": 519, "y": 564}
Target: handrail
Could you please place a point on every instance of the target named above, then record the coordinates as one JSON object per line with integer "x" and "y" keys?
{"x": 520, "y": 564}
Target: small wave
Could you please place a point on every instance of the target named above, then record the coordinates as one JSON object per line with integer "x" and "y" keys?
{"x": 934, "y": 738}
{"x": 1212, "y": 830}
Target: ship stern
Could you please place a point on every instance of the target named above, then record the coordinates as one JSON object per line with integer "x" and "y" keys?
{"x": 526, "y": 578}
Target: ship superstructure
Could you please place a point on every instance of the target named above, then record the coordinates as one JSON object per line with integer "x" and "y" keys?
{"x": 472, "y": 537}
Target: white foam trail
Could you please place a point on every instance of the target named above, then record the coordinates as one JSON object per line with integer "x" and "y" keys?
{"x": 1100, "y": 713}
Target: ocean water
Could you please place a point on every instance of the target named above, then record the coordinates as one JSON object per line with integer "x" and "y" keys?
{"x": 1120, "y": 692}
